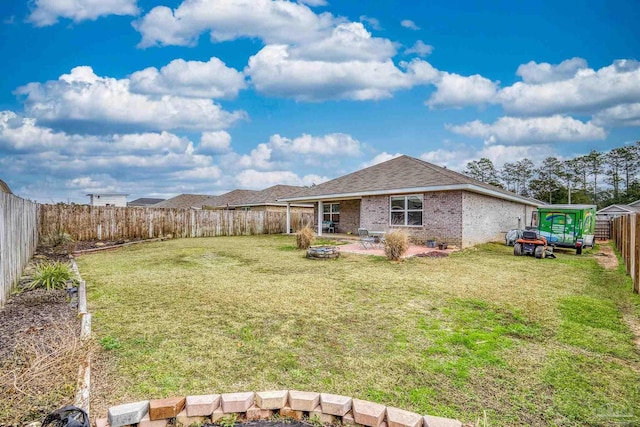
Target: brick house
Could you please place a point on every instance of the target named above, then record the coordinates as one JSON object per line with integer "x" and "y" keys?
{"x": 427, "y": 201}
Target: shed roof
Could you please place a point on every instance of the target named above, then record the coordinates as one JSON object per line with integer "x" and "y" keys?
{"x": 402, "y": 174}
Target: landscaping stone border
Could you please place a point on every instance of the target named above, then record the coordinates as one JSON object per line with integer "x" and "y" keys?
{"x": 249, "y": 406}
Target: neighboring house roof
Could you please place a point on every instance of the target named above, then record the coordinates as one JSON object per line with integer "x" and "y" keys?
{"x": 635, "y": 204}
{"x": 145, "y": 201}
{"x": 187, "y": 201}
{"x": 234, "y": 198}
{"x": 4, "y": 187}
{"x": 402, "y": 174}
{"x": 618, "y": 209}
{"x": 268, "y": 196}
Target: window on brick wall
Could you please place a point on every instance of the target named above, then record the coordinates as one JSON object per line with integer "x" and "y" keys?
{"x": 406, "y": 210}
{"x": 331, "y": 212}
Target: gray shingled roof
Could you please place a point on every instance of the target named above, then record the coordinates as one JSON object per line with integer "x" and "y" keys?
{"x": 187, "y": 201}
{"x": 145, "y": 201}
{"x": 397, "y": 174}
{"x": 233, "y": 198}
{"x": 268, "y": 196}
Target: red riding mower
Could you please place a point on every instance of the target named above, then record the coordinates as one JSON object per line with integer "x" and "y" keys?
{"x": 532, "y": 244}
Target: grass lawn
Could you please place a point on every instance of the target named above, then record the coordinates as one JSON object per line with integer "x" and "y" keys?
{"x": 482, "y": 333}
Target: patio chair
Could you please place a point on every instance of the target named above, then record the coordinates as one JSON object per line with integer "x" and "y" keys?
{"x": 366, "y": 241}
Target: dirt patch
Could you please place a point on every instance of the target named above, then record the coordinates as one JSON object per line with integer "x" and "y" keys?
{"x": 433, "y": 254}
{"x": 634, "y": 325}
{"x": 607, "y": 258}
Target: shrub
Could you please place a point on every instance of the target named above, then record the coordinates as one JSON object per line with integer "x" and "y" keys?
{"x": 396, "y": 244}
{"x": 58, "y": 238}
{"x": 305, "y": 238}
{"x": 51, "y": 275}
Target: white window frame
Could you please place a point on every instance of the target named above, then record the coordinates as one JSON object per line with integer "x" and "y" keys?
{"x": 331, "y": 213}
{"x": 406, "y": 211}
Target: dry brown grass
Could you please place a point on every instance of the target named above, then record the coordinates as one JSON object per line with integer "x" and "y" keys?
{"x": 396, "y": 244}
{"x": 41, "y": 374}
{"x": 305, "y": 238}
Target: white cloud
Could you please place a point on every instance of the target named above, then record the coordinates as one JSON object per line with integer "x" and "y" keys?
{"x": 519, "y": 131}
{"x": 273, "y": 72}
{"x": 201, "y": 173}
{"x": 47, "y": 12}
{"x": 106, "y": 104}
{"x": 282, "y": 152}
{"x": 588, "y": 91}
{"x": 407, "y": 23}
{"x": 271, "y": 21}
{"x": 420, "y": 48}
{"x": 454, "y": 90}
{"x": 92, "y": 183}
{"x": 253, "y": 179}
{"x": 457, "y": 156}
{"x": 620, "y": 115}
{"x": 347, "y": 42}
{"x": 212, "y": 79}
{"x": 382, "y": 157}
{"x": 214, "y": 142}
{"x": 371, "y": 22}
{"x": 313, "y": 3}
{"x": 337, "y": 144}
{"x": 535, "y": 73}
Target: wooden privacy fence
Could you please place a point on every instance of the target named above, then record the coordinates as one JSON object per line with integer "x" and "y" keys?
{"x": 18, "y": 239}
{"x": 112, "y": 223}
{"x": 626, "y": 232}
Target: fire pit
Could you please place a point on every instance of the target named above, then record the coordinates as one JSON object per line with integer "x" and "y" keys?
{"x": 323, "y": 252}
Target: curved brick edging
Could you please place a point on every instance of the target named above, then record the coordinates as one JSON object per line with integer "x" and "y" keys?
{"x": 84, "y": 371}
{"x": 249, "y": 406}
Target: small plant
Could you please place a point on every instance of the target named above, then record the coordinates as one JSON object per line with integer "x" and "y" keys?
{"x": 110, "y": 343}
{"x": 229, "y": 421}
{"x": 51, "y": 275}
{"x": 315, "y": 421}
{"x": 305, "y": 238}
{"x": 58, "y": 238}
{"x": 396, "y": 244}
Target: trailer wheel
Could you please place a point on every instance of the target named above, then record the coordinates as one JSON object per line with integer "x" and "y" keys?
{"x": 517, "y": 249}
{"x": 539, "y": 252}
{"x": 579, "y": 250}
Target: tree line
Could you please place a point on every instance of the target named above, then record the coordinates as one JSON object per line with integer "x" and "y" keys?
{"x": 598, "y": 178}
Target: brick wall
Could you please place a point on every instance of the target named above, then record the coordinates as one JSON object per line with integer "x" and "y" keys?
{"x": 441, "y": 217}
{"x": 486, "y": 219}
{"x": 349, "y": 216}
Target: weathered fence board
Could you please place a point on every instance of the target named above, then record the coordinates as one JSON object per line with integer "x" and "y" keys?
{"x": 626, "y": 232}
{"x": 113, "y": 223}
{"x": 18, "y": 239}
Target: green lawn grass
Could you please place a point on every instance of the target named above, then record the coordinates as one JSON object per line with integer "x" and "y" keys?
{"x": 481, "y": 333}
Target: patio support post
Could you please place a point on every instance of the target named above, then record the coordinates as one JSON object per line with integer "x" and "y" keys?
{"x": 288, "y": 218}
{"x": 320, "y": 216}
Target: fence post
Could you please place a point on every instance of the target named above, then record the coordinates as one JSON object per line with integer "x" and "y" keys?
{"x": 636, "y": 270}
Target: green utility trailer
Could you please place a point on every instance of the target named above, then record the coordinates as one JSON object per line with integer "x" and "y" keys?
{"x": 568, "y": 226}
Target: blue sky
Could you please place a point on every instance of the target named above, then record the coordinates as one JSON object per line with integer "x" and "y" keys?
{"x": 157, "y": 98}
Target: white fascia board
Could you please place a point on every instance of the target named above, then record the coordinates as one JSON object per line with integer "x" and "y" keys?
{"x": 465, "y": 187}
